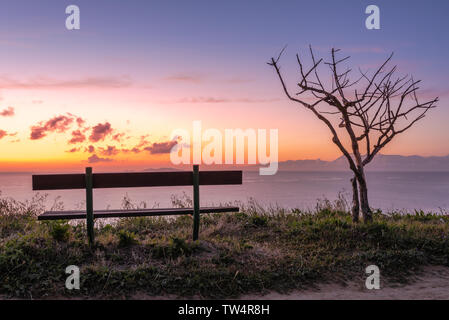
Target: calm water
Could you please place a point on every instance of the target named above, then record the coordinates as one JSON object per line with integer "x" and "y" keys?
{"x": 388, "y": 190}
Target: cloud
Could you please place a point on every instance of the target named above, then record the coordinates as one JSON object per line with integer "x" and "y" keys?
{"x": 222, "y": 100}
{"x": 37, "y": 101}
{"x": 181, "y": 77}
{"x": 58, "y": 124}
{"x": 80, "y": 122}
{"x": 80, "y": 132}
{"x": 161, "y": 147}
{"x": 14, "y": 44}
{"x": 109, "y": 151}
{"x": 77, "y": 137}
{"x": 352, "y": 49}
{"x": 143, "y": 141}
{"x": 90, "y": 149}
{"x": 100, "y": 132}
{"x": 118, "y": 136}
{"x": 50, "y": 83}
{"x": 429, "y": 94}
{"x": 134, "y": 150}
{"x": 4, "y": 133}
{"x": 95, "y": 159}
{"x": 362, "y": 49}
{"x": 9, "y": 112}
{"x": 73, "y": 150}
{"x": 198, "y": 78}
{"x": 202, "y": 100}
{"x": 238, "y": 80}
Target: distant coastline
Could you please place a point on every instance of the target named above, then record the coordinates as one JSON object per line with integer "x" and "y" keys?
{"x": 381, "y": 163}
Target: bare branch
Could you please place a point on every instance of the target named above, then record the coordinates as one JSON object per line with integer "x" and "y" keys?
{"x": 385, "y": 107}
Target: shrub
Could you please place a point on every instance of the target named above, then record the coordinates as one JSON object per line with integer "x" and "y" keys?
{"x": 127, "y": 238}
{"x": 60, "y": 231}
{"x": 107, "y": 228}
{"x": 181, "y": 201}
{"x": 175, "y": 248}
{"x": 247, "y": 252}
{"x": 259, "y": 221}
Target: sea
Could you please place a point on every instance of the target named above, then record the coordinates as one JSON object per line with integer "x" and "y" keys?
{"x": 388, "y": 191}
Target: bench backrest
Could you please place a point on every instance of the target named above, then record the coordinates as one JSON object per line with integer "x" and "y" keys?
{"x": 134, "y": 179}
{"x": 89, "y": 181}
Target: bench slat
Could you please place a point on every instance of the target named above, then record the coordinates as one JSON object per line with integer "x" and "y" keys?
{"x": 134, "y": 180}
{"x": 72, "y": 215}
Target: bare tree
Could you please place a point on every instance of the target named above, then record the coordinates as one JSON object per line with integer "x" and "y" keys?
{"x": 369, "y": 111}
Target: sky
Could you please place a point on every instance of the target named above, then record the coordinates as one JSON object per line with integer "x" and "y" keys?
{"x": 110, "y": 94}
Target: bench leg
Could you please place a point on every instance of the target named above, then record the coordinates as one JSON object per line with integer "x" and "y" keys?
{"x": 89, "y": 206}
{"x": 196, "y": 202}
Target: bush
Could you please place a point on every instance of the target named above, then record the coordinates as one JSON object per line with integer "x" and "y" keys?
{"x": 175, "y": 248}
{"x": 259, "y": 221}
{"x": 127, "y": 238}
{"x": 247, "y": 252}
{"x": 60, "y": 231}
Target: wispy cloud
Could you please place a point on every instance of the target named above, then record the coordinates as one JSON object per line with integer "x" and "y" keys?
{"x": 15, "y": 44}
{"x": 161, "y": 147}
{"x": 200, "y": 78}
{"x": 143, "y": 141}
{"x": 58, "y": 124}
{"x": 432, "y": 93}
{"x": 9, "y": 112}
{"x": 96, "y": 159}
{"x": 51, "y": 83}
{"x": 185, "y": 77}
{"x": 238, "y": 80}
{"x": 77, "y": 137}
{"x": 351, "y": 49}
{"x": 4, "y": 133}
{"x": 202, "y": 100}
{"x": 74, "y": 129}
{"x": 100, "y": 132}
{"x": 133, "y": 150}
{"x": 118, "y": 136}
{"x": 89, "y": 149}
{"x": 73, "y": 150}
{"x": 109, "y": 151}
{"x": 195, "y": 100}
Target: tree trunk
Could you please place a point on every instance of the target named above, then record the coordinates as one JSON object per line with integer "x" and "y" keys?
{"x": 355, "y": 200}
{"x": 364, "y": 204}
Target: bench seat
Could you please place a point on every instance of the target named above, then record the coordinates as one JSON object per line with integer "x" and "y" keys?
{"x": 90, "y": 181}
{"x": 72, "y": 215}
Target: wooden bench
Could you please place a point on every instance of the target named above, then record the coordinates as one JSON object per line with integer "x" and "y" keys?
{"x": 90, "y": 181}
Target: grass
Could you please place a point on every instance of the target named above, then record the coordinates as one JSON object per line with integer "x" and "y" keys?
{"x": 252, "y": 251}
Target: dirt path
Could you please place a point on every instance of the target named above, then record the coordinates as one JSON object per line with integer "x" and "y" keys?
{"x": 433, "y": 283}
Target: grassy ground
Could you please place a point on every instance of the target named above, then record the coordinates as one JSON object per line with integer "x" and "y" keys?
{"x": 252, "y": 251}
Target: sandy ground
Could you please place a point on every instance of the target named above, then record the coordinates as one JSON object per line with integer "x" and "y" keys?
{"x": 432, "y": 284}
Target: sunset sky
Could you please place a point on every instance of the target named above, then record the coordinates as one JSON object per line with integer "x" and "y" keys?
{"x": 113, "y": 91}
